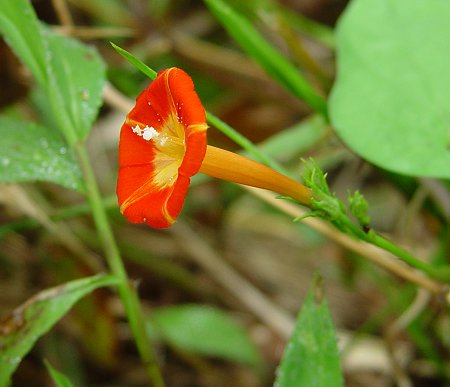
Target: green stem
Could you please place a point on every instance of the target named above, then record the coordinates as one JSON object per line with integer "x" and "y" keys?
{"x": 244, "y": 142}
{"x": 127, "y": 292}
{"x": 375, "y": 239}
{"x": 433, "y": 271}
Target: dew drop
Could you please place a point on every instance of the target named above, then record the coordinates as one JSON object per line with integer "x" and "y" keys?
{"x": 13, "y": 360}
{"x": 84, "y": 94}
{"x": 43, "y": 142}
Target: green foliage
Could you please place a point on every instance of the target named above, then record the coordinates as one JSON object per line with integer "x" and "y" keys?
{"x": 32, "y": 152}
{"x": 266, "y": 55}
{"x": 135, "y": 62}
{"x": 204, "y": 330}
{"x": 76, "y": 75}
{"x": 71, "y": 73}
{"x": 36, "y": 316}
{"x": 311, "y": 357}
{"x": 389, "y": 104}
{"x": 58, "y": 377}
{"x": 20, "y": 28}
{"x": 390, "y": 100}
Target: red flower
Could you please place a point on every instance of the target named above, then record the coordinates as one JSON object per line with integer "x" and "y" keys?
{"x": 162, "y": 144}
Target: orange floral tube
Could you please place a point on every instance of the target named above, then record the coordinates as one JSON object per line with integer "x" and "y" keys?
{"x": 163, "y": 144}
{"x": 230, "y": 166}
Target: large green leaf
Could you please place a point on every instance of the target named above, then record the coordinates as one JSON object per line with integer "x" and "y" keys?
{"x": 20, "y": 330}
{"x": 390, "y": 102}
{"x": 311, "y": 357}
{"x": 71, "y": 73}
{"x": 206, "y": 331}
{"x": 30, "y": 152}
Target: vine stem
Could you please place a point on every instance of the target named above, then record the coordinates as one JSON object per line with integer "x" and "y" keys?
{"x": 377, "y": 240}
{"x": 441, "y": 274}
{"x": 126, "y": 291}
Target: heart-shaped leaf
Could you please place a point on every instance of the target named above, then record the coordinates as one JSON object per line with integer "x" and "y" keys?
{"x": 390, "y": 103}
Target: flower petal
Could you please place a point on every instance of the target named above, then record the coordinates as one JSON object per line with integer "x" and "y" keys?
{"x": 162, "y": 144}
{"x": 144, "y": 205}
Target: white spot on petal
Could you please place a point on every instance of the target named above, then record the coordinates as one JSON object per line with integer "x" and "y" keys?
{"x": 149, "y": 133}
{"x": 137, "y": 130}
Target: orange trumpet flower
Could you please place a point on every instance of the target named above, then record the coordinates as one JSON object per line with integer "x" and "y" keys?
{"x": 163, "y": 143}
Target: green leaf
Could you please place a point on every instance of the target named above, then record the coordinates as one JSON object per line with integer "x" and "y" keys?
{"x": 20, "y": 27}
{"x": 71, "y": 73}
{"x": 206, "y": 331}
{"x": 266, "y": 55}
{"x": 311, "y": 357}
{"x": 76, "y": 76}
{"x": 21, "y": 329}
{"x": 135, "y": 62}
{"x": 59, "y": 378}
{"x": 390, "y": 102}
{"x": 30, "y": 152}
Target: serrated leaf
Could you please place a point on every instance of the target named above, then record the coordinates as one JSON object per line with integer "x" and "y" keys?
{"x": 58, "y": 377}
{"x": 23, "y": 327}
{"x": 311, "y": 357}
{"x": 204, "y": 330}
{"x": 390, "y": 102}
{"x": 30, "y": 152}
{"x": 76, "y": 76}
{"x": 71, "y": 73}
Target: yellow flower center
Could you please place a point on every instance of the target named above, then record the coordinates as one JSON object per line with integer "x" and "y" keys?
{"x": 169, "y": 148}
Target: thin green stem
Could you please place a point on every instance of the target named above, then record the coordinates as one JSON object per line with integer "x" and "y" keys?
{"x": 373, "y": 238}
{"x": 127, "y": 292}
{"x": 442, "y": 274}
{"x": 244, "y": 142}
